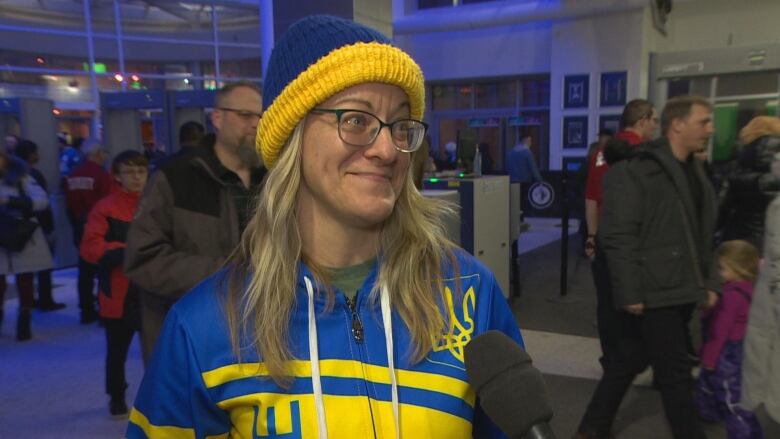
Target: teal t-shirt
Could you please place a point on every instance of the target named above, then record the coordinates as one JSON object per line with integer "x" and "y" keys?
{"x": 350, "y": 279}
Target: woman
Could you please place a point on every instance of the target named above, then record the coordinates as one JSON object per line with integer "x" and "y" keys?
{"x": 21, "y": 197}
{"x": 751, "y": 187}
{"x": 345, "y": 311}
{"x": 27, "y": 150}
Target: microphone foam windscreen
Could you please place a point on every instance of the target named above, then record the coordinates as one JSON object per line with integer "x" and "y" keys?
{"x": 511, "y": 391}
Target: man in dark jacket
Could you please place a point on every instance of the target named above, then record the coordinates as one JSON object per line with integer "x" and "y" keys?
{"x": 656, "y": 231}
{"x": 194, "y": 208}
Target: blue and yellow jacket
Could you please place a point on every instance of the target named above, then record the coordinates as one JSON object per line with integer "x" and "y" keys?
{"x": 195, "y": 388}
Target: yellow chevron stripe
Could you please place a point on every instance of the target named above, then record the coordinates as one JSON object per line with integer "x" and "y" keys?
{"x": 347, "y": 369}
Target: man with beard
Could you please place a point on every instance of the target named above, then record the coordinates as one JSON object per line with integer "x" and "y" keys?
{"x": 194, "y": 209}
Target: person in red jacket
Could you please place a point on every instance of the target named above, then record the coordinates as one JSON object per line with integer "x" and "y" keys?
{"x": 640, "y": 122}
{"x": 84, "y": 187}
{"x": 104, "y": 244}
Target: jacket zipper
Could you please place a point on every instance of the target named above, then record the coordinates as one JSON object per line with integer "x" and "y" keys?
{"x": 357, "y": 334}
{"x": 357, "y": 326}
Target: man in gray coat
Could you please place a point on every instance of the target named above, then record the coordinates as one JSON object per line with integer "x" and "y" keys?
{"x": 656, "y": 231}
{"x": 761, "y": 364}
{"x": 194, "y": 209}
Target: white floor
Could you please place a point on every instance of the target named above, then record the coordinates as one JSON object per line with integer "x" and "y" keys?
{"x": 543, "y": 231}
{"x": 53, "y": 385}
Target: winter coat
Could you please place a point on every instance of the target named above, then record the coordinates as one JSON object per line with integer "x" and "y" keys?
{"x": 726, "y": 321}
{"x": 761, "y": 364}
{"x": 186, "y": 226}
{"x": 196, "y": 383}
{"x": 104, "y": 245}
{"x": 35, "y": 256}
{"x": 46, "y": 217}
{"x": 658, "y": 247}
{"x": 748, "y": 191}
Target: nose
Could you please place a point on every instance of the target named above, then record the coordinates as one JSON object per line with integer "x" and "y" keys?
{"x": 383, "y": 147}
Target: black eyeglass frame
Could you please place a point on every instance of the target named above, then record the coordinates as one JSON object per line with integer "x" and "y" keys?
{"x": 339, "y": 112}
{"x": 241, "y": 113}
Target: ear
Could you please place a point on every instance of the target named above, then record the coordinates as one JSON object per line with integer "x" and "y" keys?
{"x": 216, "y": 119}
{"x": 677, "y": 124}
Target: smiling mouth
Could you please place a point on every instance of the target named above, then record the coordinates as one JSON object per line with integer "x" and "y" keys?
{"x": 371, "y": 176}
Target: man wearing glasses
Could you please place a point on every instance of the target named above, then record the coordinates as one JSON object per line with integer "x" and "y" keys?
{"x": 194, "y": 209}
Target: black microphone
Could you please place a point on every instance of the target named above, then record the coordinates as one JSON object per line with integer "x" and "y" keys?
{"x": 511, "y": 391}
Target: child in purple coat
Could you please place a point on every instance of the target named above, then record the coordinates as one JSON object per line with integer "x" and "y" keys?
{"x": 718, "y": 386}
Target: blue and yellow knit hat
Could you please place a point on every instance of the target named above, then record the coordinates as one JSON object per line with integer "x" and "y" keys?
{"x": 318, "y": 57}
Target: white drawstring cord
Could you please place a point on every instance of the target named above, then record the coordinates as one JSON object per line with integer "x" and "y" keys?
{"x": 388, "y": 324}
{"x": 314, "y": 359}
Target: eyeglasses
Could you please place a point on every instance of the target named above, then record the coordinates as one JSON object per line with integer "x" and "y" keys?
{"x": 244, "y": 114}
{"x": 359, "y": 128}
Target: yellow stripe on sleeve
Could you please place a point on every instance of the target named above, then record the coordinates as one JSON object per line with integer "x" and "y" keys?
{"x": 160, "y": 431}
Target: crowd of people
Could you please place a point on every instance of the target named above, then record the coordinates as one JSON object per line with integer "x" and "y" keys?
{"x": 292, "y": 245}
{"x": 663, "y": 244}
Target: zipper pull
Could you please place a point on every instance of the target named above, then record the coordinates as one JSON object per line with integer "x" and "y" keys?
{"x": 357, "y": 326}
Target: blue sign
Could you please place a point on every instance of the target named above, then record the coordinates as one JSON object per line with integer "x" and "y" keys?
{"x": 575, "y": 131}
{"x": 575, "y": 91}
{"x": 613, "y": 89}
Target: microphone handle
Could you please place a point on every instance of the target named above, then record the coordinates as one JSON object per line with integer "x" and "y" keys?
{"x": 540, "y": 431}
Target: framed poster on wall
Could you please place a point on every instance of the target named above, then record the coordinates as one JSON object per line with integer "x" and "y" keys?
{"x": 575, "y": 91}
{"x": 575, "y": 132}
{"x": 613, "y": 89}
{"x": 609, "y": 122}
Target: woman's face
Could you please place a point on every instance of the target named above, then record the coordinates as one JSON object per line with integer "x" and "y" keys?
{"x": 355, "y": 186}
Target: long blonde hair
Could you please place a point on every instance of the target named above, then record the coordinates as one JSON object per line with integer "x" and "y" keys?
{"x": 264, "y": 269}
{"x": 759, "y": 126}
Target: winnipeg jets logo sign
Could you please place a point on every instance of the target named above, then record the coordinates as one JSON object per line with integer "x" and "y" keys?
{"x": 541, "y": 195}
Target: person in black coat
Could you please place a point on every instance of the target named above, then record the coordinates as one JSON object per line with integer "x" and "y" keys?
{"x": 751, "y": 187}
{"x": 655, "y": 230}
